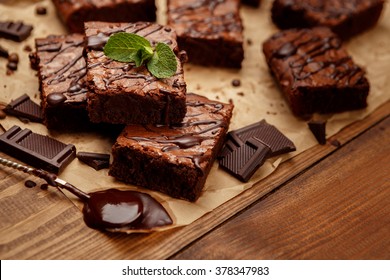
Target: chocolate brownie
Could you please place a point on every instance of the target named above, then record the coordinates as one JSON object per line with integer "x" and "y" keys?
{"x": 173, "y": 159}
{"x": 315, "y": 72}
{"x": 75, "y": 12}
{"x": 210, "y": 31}
{"x": 124, "y": 94}
{"x": 345, "y": 18}
{"x": 61, "y": 70}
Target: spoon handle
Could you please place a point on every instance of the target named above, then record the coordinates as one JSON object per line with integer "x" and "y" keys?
{"x": 17, "y": 166}
{"x": 50, "y": 178}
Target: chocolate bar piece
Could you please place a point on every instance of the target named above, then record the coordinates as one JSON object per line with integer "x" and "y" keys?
{"x": 244, "y": 160}
{"x": 37, "y": 150}
{"x": 16, "y": 31}
{"x": 95, "y": 160}
{"x": 247, "y": 148}
{"x": 24, "y": 107}
{"x": 317, "y": 127}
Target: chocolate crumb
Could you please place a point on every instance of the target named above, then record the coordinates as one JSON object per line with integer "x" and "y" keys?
{"x": 13, "y": 57}
{"x": 30, "y": 184}
{"x": 12, "y": 66}
{"x": 335, "y": 143}
{"x": 40, "y": 10}
{"x": 44, "y": 186}
{"x": 9, "y": 72}
{"x": 230, "y": 101}
{"x": 27, "y": 48}
{"x": 249, "y": 41}
{"x": 240, "y": 93}
{"x": 236, "y": 83}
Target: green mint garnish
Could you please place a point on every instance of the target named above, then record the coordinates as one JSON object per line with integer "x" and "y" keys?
{"x": 128, "y": 47}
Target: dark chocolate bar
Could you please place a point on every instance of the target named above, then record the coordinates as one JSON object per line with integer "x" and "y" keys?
{"x": 247, "y": 148}
{"x": 37, "y": 150}
{"x": 95, "y": 160}
{"x": 16, "y": 31}
{"x": 24, "y": 107}
{"x": 317, "y": 127}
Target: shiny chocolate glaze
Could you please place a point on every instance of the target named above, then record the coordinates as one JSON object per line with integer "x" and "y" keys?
{"x": 112, "y": 209}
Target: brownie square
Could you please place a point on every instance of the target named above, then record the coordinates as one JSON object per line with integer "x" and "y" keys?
{"x": 345, "y": 18}
{"x": 315, "y": 72}
{"x": 62, "y": 69}
{"x": 121, "y": 93}
{"x": 173, "y": 159}
{"x": 211, "y": 32}
{"x": 75, "y": 12}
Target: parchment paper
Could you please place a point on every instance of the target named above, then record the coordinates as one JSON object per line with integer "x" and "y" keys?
{"x": 257, "y": 98}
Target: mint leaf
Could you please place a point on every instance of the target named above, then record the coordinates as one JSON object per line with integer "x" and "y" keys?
{"x": 163, "y": 63}
{"x": 143, "y": 54}
{"x": 129, "y": 47}
{"x": 124, "y": 46}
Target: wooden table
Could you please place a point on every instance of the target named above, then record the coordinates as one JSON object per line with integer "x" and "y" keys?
{"x": 330, "y": 202}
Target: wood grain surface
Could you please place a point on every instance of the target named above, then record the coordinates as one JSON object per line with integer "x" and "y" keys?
{"x": 339, "y": 209}
{"x": 44, "y": 224}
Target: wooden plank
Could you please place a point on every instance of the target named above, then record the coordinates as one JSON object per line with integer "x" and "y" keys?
{"x": 339, "y": 209}
{"x": 64, "y": 235}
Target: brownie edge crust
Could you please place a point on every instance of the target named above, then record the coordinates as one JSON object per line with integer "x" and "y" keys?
{"x": 174, "y": 160}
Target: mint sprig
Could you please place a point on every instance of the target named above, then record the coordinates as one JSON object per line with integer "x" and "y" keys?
{"x": 128, "y": 47}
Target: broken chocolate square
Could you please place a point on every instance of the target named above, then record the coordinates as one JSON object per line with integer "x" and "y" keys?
{"x": 24, "y": 107}
{"x": 247, "y": 148}
{"x": 95, "y": 160}
{"x": 317, "y": 127}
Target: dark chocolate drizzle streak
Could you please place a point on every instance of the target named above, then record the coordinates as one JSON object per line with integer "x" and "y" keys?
{"x": 314, "y": 47}
{"x": 191, "y": 139}
{"x": 66, "y": 72}
{"x": 215, "y": 23}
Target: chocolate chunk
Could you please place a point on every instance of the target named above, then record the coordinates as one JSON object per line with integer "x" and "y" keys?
{"x": 247, "y": 148}
{"x": 30, "y": 184}
{"x": 317, "y": 127}
{"x": 37, "y": 150}
{"x": 40, "y": 10}
{"x": 3, "y": 52}
{"x": 236, "y": 82}
{"x": 24, "y": 107}
{"x": 95, "y": 160}
{"x": 242, "y": 161}
{"x": 12, "y": 66}
{"x": 13, "y": 57}
{"x": 16, "y": 31}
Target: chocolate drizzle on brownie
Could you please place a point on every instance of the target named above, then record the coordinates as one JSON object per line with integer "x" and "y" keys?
{"x": 191, "y": 132}
{"x": 305, "y": 63}
{"x": 72, "y": 72}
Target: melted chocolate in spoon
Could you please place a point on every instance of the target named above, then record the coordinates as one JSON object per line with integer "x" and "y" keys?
{"x": 112, "y": 209}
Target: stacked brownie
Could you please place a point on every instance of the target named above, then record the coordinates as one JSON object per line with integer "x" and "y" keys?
{"x": 124, "y": 94}
{"x": 210, "y": 31}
